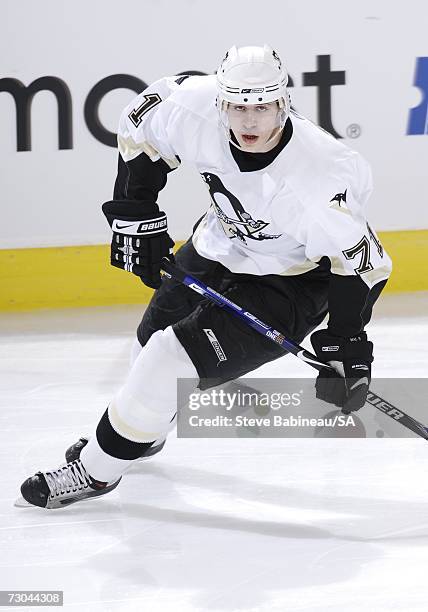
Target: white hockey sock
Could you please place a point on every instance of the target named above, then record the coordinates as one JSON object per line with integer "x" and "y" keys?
{"x": 144, "y": 408}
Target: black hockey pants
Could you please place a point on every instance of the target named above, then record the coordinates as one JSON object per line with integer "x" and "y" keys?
{"x": 221, "y": 346}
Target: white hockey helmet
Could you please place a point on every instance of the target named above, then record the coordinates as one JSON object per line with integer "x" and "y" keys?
{"x": 252, "y": 75}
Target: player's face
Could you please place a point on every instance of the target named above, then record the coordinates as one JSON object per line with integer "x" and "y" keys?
{"x": 255, "y": 126}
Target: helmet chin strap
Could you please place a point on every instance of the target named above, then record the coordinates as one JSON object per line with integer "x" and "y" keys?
{"x": 276, "y": 131}
{"x": 233, "y": 140}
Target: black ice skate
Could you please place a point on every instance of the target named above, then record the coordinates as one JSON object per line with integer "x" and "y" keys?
{"x": 73, "y": 452}
{"x": 66, "y": 485}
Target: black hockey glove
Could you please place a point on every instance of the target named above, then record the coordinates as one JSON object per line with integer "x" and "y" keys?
{"x": 140, "y": 238}
{"x": 347, "y": 386}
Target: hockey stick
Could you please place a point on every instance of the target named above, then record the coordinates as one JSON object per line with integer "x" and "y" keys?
{"x": 171, "y": 270}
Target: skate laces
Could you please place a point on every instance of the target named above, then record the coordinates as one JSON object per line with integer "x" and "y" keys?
{"x": 69, "y": 478}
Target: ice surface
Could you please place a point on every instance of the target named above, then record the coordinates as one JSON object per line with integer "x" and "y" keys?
{"x": 246, "y": 525}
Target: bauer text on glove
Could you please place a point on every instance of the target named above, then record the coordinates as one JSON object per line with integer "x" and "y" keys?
{"x": 140, "y": 238}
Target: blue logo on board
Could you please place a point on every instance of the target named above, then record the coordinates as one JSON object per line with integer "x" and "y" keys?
{"x": 418, "y": 116}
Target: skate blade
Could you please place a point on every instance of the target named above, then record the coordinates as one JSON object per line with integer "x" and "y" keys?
{"x": 22, "y": 503}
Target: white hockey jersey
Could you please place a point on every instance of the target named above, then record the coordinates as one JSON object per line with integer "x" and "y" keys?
{"x": 307, "y": 204}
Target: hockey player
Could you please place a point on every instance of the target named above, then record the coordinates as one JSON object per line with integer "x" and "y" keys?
{"x": 286, "y": 237}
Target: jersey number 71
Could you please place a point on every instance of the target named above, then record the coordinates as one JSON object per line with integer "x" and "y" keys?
{"x": 363, "y": 247}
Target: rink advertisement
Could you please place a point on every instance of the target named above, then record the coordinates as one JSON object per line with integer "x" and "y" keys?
{"x": 59, "y": 112}
{"x": 60, "y": 105}
{"x": 287, "y": 408}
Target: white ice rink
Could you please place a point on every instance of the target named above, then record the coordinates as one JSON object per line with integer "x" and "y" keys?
{"x": 220, "y": 525}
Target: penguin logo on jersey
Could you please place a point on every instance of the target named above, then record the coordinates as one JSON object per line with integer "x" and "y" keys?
{"x": 244, "y": 226}
{"x": 339, "y": 197}
{"x": 338, "y": 202}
